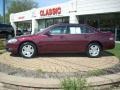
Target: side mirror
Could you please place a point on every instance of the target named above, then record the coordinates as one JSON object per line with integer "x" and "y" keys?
{"x": 48, "y": 33}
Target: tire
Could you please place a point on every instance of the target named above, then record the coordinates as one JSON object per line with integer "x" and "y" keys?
{"x": 94, "y": 50}
{"x": 28, "y": 50}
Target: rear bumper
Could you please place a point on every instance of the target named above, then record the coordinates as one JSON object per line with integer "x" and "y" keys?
{"x": 109, "y": 45}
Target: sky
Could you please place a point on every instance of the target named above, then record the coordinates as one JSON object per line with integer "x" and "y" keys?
{"x": 41, "y": 3}
{"x": 49, "y": 2}
{"x": 1, "y": 5}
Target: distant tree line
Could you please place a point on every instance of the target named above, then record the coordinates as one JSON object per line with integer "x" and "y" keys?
{"x": 1, "y": 18}
{"x": 14, "y": 6}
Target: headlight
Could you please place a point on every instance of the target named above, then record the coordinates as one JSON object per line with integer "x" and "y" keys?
{"x": 12, "y": 41}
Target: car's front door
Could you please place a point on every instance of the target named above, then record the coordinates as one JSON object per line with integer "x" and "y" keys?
{"x": 54, "y": 40}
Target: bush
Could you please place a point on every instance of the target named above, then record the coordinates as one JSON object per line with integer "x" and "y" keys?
{"x": 2, "y": 46}
{"x": 74, "y": 84}
{"x": 40, "y": 71}
{"x": 95, "y": 72}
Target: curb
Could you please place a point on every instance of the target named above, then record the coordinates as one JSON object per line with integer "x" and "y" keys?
{"x": 55, "y": 83}
{"x": 104, "y": 80}
{"x": 29, "y": 82}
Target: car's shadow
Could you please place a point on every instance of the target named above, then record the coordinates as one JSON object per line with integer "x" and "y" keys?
{"x": 104, "y": 54}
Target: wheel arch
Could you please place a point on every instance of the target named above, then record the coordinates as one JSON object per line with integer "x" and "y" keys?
{"x": 98, "y": 42}
{"x": 27, "y": 41}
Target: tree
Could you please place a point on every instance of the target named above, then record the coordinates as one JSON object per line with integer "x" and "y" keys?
{"x": 21, "y": 5}
{"x": 18, "y": 6}
{"x": 1, "y": 19}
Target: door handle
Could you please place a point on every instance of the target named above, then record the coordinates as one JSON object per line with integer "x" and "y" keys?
{"x": 61, "y": 37}
{"x": 86, "y": 36}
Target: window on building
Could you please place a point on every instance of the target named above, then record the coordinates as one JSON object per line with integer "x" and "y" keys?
{"x": 92, "y": 20}
{"x": 118, "y": 35}
{"x": 87, "y": 29}
{"x": 41, "y": 25}
{"x": 57, "y": 20}
{"x": 105, "y": 22}
{"x": 81, "y": 20}
{"x": 65, "y": 20}
{"x": 49, "y": 22}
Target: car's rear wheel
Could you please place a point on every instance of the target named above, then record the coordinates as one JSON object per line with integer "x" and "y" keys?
{"x": 94, "y": 50}
{"x": 28, "y": 50}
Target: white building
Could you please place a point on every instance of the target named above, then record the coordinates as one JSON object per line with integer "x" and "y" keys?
{"x": 103, "y": 14}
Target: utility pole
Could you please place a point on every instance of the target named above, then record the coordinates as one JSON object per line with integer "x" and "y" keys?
{"x": 4, "y": 11}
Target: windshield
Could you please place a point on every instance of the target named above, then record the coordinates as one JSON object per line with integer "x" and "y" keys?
{"x": 42, "y": 30}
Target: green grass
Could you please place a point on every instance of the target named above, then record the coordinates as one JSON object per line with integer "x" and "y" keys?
{"x": 116, "y": 50}
{"x": 40, "y": 71}
{"x": 1, "y": 45}
{"x": 95, "y": 72}
{"x": 74, "y": 84}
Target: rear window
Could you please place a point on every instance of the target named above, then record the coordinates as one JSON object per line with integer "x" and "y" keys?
{"x": 74, "y": 30}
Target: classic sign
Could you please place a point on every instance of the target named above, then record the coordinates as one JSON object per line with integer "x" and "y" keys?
{"x": 50, "y": 11}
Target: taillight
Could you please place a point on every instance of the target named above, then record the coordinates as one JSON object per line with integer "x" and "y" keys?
{"x": 112, "y": 37}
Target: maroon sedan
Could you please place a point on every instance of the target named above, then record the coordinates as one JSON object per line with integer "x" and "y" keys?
{"x": 62, "y": 38}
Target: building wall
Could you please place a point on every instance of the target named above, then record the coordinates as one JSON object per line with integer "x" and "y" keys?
{"x": 73, "y": 7}
{"x": 21, "y": 16}
{"x": 35, "y": 12}
{"x": 97, "y": 6}
{"x": 64, "y": 11}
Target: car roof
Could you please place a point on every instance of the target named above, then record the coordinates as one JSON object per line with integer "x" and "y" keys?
{"x": 5, "y": 25}
{"x": 68, "y": 24}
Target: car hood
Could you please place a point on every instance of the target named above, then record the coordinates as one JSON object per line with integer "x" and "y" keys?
{"x": 26, "y": 37}
{"x": 22, "y": 36}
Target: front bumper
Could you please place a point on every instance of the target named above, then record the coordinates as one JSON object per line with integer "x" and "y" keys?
{"x": 13, "y": 48}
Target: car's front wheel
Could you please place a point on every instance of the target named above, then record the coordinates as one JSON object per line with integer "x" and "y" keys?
{"x": 94, "y": 50}
{"x": 28, "y": 50}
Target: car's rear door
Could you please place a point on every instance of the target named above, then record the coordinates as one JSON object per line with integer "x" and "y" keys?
{"x": 75, "y": 40}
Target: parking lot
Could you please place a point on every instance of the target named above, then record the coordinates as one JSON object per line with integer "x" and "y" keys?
{"x": 59, "y": 62}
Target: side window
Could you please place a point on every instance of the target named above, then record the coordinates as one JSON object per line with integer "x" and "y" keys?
{"x": 75, "y": 30}
{"x": 85, "y": 29}
{"x": 58, "y": 30}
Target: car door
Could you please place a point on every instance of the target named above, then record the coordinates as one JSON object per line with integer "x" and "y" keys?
{"x": 75, "y": 40}
{"x": 54, "y": 41}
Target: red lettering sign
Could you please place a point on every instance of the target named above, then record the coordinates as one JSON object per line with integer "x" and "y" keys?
{"x": 51, "y": 11}
{"x": 22, "y": 17}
